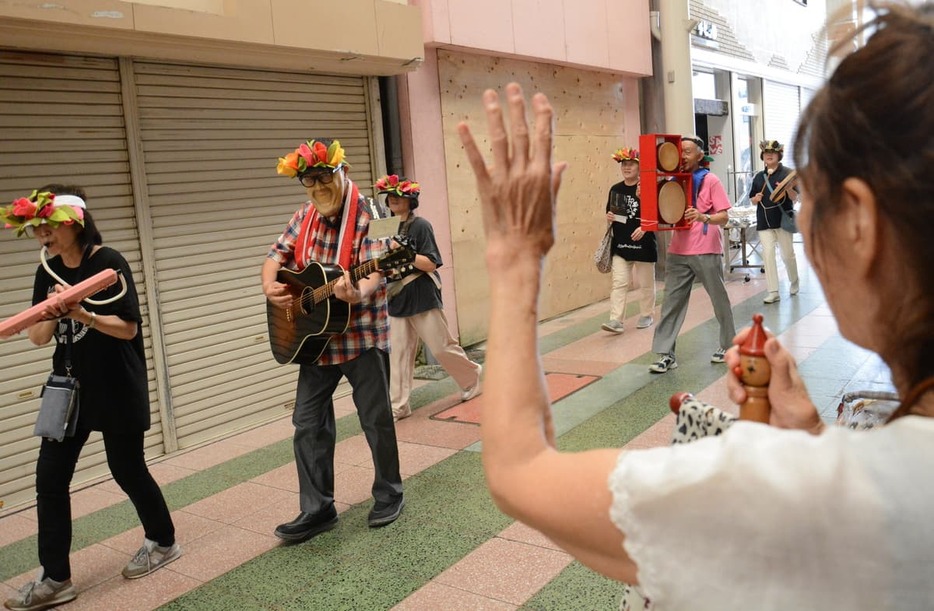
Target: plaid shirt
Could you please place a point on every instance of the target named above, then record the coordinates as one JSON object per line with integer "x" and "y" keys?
{"x": 369, "y": 321}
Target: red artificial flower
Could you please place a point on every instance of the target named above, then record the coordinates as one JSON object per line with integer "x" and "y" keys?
{"x": 24, "y": 207}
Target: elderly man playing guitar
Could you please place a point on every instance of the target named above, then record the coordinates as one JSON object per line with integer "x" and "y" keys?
{"x": 332, "y": 321}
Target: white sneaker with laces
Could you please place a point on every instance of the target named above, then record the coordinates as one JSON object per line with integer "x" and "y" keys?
{"x": 663, "y": 364}
{"x": 719, "y": 356}
{"x": 771, "y": 298}
{"x": 149, "y": 558}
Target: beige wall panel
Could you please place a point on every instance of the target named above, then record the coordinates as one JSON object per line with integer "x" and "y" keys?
{"x": 393, "y": 19}
{"x": 114, "y": 14}
{"x": 348, "y": 26}
{"x": 240, "y": 20}
{"x": 593, "y": 111}
{"x": 364, "y": 37}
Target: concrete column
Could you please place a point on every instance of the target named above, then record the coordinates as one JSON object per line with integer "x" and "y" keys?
{"x": 676, "y": 66}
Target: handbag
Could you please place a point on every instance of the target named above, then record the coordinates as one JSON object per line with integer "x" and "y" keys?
{"x": 58, "y": 412}
{"x": 603, "y": 256}
{"x": 789, "y": 223}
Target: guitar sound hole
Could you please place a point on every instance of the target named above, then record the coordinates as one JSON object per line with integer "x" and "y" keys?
{"x": 307, "y": 302}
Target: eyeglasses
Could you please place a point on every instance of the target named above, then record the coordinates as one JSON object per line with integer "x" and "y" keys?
{"x": 321, "y": 178}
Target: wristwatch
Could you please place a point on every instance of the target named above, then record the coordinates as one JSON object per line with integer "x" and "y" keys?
{"x": 706, "y": 219}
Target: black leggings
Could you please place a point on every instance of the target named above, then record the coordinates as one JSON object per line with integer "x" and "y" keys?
{"x": 54, "y": 470}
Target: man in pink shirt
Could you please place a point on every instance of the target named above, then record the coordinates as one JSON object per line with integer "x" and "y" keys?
{"x": 695, "y": 253}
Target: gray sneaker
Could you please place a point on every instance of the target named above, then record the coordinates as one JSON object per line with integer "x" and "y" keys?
{"x": 644, "y": 322}
{"x": 149, "y": 558}
{"x": 42, "y": 594}
{"x": 613, "y": 326}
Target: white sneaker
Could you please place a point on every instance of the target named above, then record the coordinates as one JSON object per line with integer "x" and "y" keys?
{"x": 794, "y": 288}
{"x": 663, "y": 364}
{"x": 474, "y": 390}
{"x": 771, "y": 298}
{"x": 613, "y": 326}
{"x": 149, "y": 558}
{"x": 400, "y": 414}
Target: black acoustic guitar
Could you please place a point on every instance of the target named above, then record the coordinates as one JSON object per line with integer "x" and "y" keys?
{"x": 300, "y": 333}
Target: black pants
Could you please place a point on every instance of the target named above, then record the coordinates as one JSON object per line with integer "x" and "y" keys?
{"x": 54, "y": 471}
{"x": 316, "y": 433}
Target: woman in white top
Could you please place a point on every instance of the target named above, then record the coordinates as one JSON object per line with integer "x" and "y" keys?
{"x": 788, "y": 516}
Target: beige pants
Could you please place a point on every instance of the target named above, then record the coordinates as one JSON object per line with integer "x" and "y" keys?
{"x": 637, "y": 276}
{"x": 768, "y": 238}
{"x": 432, "y": 328}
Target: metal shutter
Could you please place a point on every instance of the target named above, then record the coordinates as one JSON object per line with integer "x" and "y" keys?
{"x": 211, "y": 137}
{"x": 61, "y": 120}
{"x": 781, "y": 109}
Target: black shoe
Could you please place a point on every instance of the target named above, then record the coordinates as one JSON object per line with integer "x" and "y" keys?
{"x": 385, "y": 513}
{"x": 307, "y": 525}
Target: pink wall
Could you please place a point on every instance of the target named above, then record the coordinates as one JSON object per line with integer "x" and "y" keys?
{"x": 424, "y": 160}
{"x": 606, "y": 35}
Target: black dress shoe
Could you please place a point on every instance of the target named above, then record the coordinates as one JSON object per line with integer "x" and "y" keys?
{"x": 385, "y": 513}
{"x": 307, "y": 525}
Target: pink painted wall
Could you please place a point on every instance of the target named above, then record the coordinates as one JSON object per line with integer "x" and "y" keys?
{"x": 424, "y": 160}
{"x": 606, "y": 35}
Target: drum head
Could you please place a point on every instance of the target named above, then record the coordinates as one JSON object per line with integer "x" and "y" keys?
{"x": 782, "y": 187}
{"x": 671, "y": 202}
{"x": 668, "y": 157}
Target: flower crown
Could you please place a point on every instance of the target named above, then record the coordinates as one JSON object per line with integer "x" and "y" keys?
{"x": 392, "y": 184}
{"x": 43, "y": 208}
{"x": 626, "y": 154}
{"x": 312, "y": 154}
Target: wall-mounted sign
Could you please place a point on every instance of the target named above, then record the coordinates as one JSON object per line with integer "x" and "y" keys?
{"x": 706, "y": 29}
{"x": 715, "y": 145}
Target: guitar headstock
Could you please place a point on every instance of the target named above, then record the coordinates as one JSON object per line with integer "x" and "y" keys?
{"x": 395, "y": 259}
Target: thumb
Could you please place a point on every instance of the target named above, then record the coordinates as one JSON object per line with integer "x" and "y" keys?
{"x": 782, "y": 363}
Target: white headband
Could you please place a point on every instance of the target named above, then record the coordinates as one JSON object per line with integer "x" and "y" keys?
{"x": 69, "y": 200}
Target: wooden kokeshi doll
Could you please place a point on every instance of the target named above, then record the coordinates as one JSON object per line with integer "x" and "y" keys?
{"x": 755, "y": 372}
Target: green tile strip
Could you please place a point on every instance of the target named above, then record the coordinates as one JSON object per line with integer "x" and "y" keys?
{"x": 448, "y": 514}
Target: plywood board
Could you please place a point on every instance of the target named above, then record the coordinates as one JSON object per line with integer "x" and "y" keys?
{"x": 593, "y": 110}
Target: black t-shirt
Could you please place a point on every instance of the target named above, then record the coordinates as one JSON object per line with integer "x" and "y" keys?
{"x": 768, "y": 213}
{"x": 422, "y": 294}
{"x": 622, "y": 201}
{"x": 111, "y": 372}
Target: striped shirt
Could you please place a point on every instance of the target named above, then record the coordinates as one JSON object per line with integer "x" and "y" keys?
{"x": 369, "y": 321}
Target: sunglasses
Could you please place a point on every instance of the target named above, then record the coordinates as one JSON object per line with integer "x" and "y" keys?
{"x": 321, "y": 178}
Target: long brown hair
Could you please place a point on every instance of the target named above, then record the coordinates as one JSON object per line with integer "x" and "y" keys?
{"x": 874, "y": 120}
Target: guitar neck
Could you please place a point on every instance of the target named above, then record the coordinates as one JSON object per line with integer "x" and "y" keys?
{"x": 357, "y": 273}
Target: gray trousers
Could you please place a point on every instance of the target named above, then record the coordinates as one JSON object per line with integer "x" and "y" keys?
{"x": 316, "y": 433}
{"x": 679, "y": 277}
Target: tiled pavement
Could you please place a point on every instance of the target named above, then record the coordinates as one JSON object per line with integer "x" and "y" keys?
{"x": 450, "y": 549}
